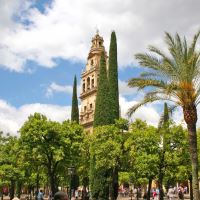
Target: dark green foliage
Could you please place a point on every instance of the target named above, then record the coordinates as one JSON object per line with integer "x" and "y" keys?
{"x": 166, "y": 113}
{"x": 75, "y": 110}
{"x": 113, "y": 78}
{"x": 75, "y": 182}
{"x": 102, "y": 114}
{"x": 98, "y": 181}
{"x": 106, "y": 154}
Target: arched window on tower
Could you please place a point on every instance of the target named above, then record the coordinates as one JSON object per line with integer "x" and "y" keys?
{"x": 83, "y": 87}
{"x": 88, "y": 83}
{"x": 92, "y": 62}
{"x": 92, "y": 83}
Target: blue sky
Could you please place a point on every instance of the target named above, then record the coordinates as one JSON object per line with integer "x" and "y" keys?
{"x": 44, "y": 43}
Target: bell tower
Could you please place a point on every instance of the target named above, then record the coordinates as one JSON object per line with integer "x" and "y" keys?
{"x": 89, "y": 80}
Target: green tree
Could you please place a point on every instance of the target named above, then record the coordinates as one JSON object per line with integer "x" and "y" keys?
{"x": 113, "y": 77}
{"x": 55, "y": 145}
{"x": 164, "y": 132}
{"x": 75, "y": 110}
{"x": 105, "y": 154}
{"x": 177, "y": 165}
{"x": 143, "y": 145}
{"x": 102, "y": 115}
{"x": 11, "y": 170}
{"x": 84, "y": 168}
{"x": 114, "y": 100}
{"x": 174, "y": 78}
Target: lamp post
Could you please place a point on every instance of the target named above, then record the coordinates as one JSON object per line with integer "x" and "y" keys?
{"x": 71, "y": 171}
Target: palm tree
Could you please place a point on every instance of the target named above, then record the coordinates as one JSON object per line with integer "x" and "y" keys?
{"x": 174, "y": 77}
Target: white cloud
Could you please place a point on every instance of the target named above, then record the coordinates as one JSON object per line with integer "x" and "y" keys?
{"x": 65, "y": 29}
{"x": 147, "y": 113}
{"x": 12, "y": 118}
{"x": 124, "y": 90}
{"x": 54, "y": 87}
{"x": 57, "y": 88}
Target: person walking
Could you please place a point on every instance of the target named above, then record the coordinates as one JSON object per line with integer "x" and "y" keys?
{"x": 40, "y": 195}
{"x": 180, "y": 193}
{"x": 170, "y": 193}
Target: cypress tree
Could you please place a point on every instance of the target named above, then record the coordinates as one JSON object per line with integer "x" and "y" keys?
{"x": 102, "y": 114}
{"x": 113, "y": 78}
{"x": 114, "y": 102}
{"x": 164, "y": 121}
{"x": 166, "y": 114}
{"x": 75, "y": 110}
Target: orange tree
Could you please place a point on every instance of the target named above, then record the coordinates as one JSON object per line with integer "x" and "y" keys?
{"x": 174, "y": 77}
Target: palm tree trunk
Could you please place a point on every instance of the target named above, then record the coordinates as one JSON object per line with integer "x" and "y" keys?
{"x": 190, "y": 116}
{"x": 194, "y": 159}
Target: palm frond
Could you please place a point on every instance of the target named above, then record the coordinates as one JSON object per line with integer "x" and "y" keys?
{"x": 185, "y": 49}
{"x": 163, "y": 66}
{"x": 193, "y": 45}
{"x": 175, "y": 77}
{"x": 149, "y": 74}
{"x": 179, "y": 49}
{"x": 169, "y": 39}
{"x": 141, "y": 83}
{"x": 148, "y": 98}
{"x": 149, "y": 61}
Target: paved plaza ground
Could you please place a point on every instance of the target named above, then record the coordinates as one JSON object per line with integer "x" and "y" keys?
{"x": 119, "y": 198}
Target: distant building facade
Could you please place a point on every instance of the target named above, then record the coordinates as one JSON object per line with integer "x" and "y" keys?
{"x": 89, "y": 82}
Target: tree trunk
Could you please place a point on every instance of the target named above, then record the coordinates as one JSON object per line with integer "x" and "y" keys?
{"x": 191, "y": 193}
{"x": 149, "y": 189}
{"x": 114, "y": 185}
{"x": 137, "y": 194}
{"x": 12, "y": 189}
{"x": 19, "y": 187}
{"x": 190, "y": 116}
{"x": 53, "y": 183}
{"x": 2, "y": 193}
{"x": 37, "y": 185}
{"x": 194, "y": 159}
{"x": 160, "y": 186}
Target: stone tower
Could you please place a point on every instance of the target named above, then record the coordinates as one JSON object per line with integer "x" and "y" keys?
{"x": 89, "y": 80}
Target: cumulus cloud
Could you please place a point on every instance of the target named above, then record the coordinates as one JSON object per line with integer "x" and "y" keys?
{"x": 124, "y": 90}
{"x": 57, "y": 88}
{"x": 54, "y": 87}
{"x": 65, "y": 29}
{"x": 147, "y": 113}
{"x": 12, "y": 118}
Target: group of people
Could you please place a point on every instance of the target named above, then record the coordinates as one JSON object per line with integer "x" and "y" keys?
{"x": 180, "y": 191}
{"x": 171, "y": 194}
{"x": 58, "y": 196}
{"x": 40, "y": 195}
